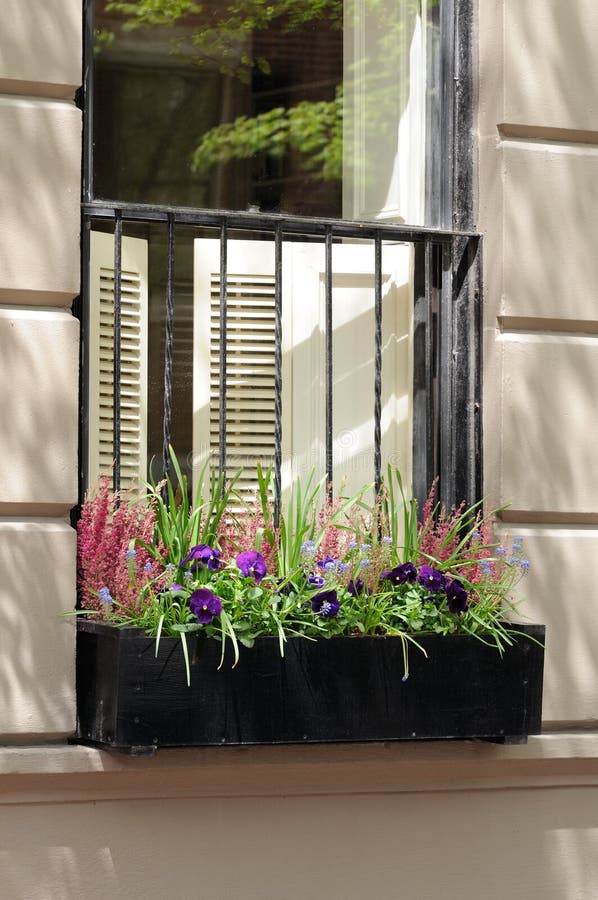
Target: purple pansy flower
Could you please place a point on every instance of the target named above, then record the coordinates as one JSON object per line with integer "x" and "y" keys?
{"x": 402, "y": 574}
{"x": 251, "y": 563}
{"x": 203, "y": 555}
{"x": 456, "y": 596}
{"x": 356, "y": 587}
{"x": 325, "y": 563}
{"x": 205, "y": 605}
{"x": 432, "y": 579}
{"x": 326, "y": 604}
{"x": 316, "y": 580}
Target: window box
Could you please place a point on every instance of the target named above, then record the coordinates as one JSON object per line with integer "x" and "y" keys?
{"x": 341, "y": 689}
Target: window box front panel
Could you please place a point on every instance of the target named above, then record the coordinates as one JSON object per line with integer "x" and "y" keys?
{"x": 341, "y": 689}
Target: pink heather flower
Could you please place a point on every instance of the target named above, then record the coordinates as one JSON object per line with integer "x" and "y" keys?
{"x": 104, "y": 535}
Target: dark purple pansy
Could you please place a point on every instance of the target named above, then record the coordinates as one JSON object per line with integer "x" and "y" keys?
{"x": 432, "y": 579}
{"x": 316, "y": 580}
{"x": 252, "y": 564}
{"x": 205, "y": 605}
{"x": 356, "y": 587}
{"x": 406, "y": 572}
{"x": 285, "y": 587}
{"x": 203, "y": 555}
{"x": 456, "y": 597}
{"x": 326, "y": 604}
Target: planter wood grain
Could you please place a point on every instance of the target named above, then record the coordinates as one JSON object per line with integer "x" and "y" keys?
{"x": 341, "y": 689}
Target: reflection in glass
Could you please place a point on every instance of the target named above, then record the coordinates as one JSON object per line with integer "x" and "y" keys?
{"x": 311, "y": 107}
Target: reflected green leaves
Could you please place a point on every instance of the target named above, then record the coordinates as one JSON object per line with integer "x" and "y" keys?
{"x": 313, "y": 129}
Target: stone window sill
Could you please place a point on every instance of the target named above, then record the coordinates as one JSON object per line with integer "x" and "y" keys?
{"x": 58, "y": 773}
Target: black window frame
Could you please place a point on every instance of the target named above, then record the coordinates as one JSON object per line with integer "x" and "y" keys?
{"x": 447, "y": 433}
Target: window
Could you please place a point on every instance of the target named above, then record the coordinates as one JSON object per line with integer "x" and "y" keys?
{"x": 299, "y": 119}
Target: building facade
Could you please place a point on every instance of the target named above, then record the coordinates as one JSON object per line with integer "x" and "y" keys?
{"x": 411, "y": 821}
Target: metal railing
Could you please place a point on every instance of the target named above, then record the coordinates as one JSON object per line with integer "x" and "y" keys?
{"x": 447, "y": 336}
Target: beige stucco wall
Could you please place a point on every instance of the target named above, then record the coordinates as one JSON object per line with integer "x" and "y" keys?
{"x": 40, "y": 152}
{"x": 458, "y": 821}
{"x": 520, "y": 844}
{"x": 538, "y": 184}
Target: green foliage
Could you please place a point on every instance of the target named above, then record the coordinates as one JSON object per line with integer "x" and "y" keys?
{"x": 153, "y": 12}
{"x": 312, "y": 129}
{"x": 387, "y": 575}
{"x": 180, "y": 525}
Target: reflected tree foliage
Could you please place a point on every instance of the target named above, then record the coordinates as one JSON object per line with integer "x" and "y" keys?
{"x": 221, "y": 36}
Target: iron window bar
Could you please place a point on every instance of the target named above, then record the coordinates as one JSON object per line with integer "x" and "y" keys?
{"x": 447, "y": 338}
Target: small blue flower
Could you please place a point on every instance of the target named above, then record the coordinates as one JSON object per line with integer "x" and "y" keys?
{"x": 105, "y": 595}
{"x": 130, "y": 553}
{"x": 524, "y": 565}
{"x": 517, "y": 543}
{"x": 486, "y": 567}
{"x": 364, "y": 563}
{"x": 476, "y": 536}
{"x": 351, "y": 545}
{"x": 169, "y": 567}
{"x": 343, "y": 567}
{"x": 386, "y": 539}
{"x": 308, "y": 548}
{"x": 147, "y": 567}
{"x": 514, "y": 561}
{"x": 501, "y": 551}
{"x": 366, "y": 547}
{"x": 329, "y": 566}
{"x": 188, "y": 576}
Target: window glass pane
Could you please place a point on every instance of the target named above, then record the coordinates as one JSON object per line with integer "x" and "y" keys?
{"x": 311, "y": 107}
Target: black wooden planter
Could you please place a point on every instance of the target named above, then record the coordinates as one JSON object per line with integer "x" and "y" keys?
{"x": 342, "y": 689}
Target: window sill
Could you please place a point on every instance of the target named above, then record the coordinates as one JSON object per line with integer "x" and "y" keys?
{"x": 59, "y": 773}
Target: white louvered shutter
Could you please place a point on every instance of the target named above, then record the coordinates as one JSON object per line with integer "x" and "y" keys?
{"x": 250, "y": 358}
{"x": 250, "y": 349}
{"x": 133, "y": 378}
